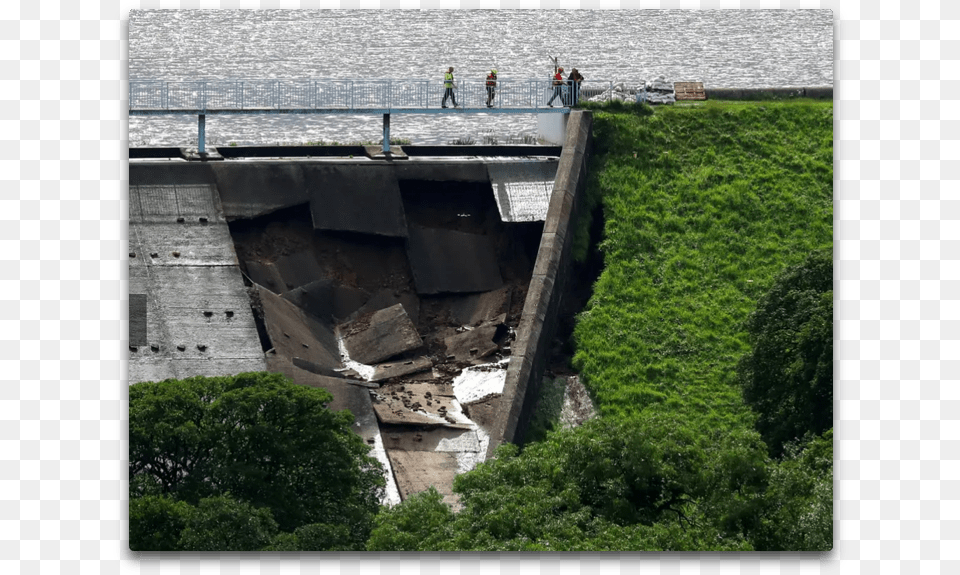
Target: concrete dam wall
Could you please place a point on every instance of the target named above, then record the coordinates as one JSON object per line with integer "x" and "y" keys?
{"x": 419, "y": 292}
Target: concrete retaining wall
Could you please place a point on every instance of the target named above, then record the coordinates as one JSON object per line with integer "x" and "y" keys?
{"x": 538, "y": 321}
{"x": 819, "y": 93}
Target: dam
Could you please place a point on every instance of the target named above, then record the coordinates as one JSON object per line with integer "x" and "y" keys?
{"x": 421, "y": 289}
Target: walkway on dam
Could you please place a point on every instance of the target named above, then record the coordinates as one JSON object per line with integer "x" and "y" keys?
{"x": 363, "y": 97}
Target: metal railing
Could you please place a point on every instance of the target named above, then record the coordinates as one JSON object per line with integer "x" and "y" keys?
{"x": 342, "y": 95}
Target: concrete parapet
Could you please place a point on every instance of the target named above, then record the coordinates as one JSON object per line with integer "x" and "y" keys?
{"x": 552, "y": 127}
{"x": 538, "y": 321}
{"x": 819, "y": 92}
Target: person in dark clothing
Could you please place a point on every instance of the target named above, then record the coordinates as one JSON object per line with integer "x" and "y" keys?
{"x": 491, "y": 87}
{"x": 574, "y": 80}
{"x": 448, "y": 89}
{"x": 557, "y": 87}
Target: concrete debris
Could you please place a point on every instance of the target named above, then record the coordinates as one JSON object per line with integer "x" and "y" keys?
{"x": 417, "y": 471}
{"x": 386, "y": 371}
{"x": 314, "y": 367}
{"x": 289, "y": 328}
{"x": 475, "y": 309}
{"x": 298, "y": 269}
{"x": 327, "y": 300}
{"x": 386, "y": 298}
{"x": 407, "y": 405}
{"x": 472, "y": 345}
{"x": 374, "y": 337}
{"x": 436, "y": 439}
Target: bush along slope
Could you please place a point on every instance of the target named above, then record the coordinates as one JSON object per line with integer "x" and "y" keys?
{"x": 703, "y": 206}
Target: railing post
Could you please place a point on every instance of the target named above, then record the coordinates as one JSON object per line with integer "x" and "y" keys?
{"x": 201, "y": 133}
{"x": 386, "y": 133}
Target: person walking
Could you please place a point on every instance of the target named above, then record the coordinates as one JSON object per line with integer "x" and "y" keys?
{"x": 491, "y": 87}
{"x": 574, "y": 80}
{"x": 557, "y": 87}
{"x": 448, "y": 89}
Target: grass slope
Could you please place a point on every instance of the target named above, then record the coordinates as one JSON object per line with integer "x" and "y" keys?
{"x": 703, "y": 205}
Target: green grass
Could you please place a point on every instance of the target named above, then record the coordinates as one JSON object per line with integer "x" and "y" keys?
{"x": 703, "y": 206}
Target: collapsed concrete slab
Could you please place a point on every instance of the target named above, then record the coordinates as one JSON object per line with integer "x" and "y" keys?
{"x": 266, "y": 275}
{"x": 325, "y": 299}
{"x": 425, "y": 405}
{"x": 345, "y": 396}
{"x": 365, "y": 201}
{"x": 385, "y": 371}
{"x": 418, "y": 471}
{"x": 296, "y": 334}
{"x": 311, "y": 366}
{"x": 387, "y": 298}
{"x": 448, "y": 261}
{"x": 475, "y": 309}
{"x": 437, "y": 439}
{"x": 298, "y": 269}
{"x": 473, "y": 344}
{"x": 380, "y": 335}
{"x": 483, "y": 412}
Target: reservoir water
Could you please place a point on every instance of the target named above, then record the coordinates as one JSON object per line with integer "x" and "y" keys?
{"x": 721, "y": 48}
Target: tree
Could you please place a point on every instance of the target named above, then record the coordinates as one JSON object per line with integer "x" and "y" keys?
{"x": 224, "y": 524}
{"x": 267, "y": 442}
{"x": 787, "y": 377}
{"x": 156, "y": 522}
{"x": 420, "y": 523}
{"x": 799, "y": 500}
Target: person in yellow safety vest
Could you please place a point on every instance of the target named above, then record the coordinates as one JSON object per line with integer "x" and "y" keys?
{"x": 557, "y": 87}
{"x": 491, "y": 87}
{"x": 448, "y": 89}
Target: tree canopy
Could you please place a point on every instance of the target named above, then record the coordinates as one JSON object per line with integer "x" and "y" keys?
{"x": 787, "y": 377}
{"x": 642, "y": 484}
{"x": 254, "y": 449}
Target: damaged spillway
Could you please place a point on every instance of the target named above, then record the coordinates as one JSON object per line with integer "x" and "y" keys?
{"x": 411, "y": 331}
{"x": 423, "y": 294}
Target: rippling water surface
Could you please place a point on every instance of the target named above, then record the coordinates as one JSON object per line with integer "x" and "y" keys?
{"x": 721, "y": 48}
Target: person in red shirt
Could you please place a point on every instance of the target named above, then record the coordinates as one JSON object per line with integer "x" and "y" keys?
{"x": 557, "y": 87}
